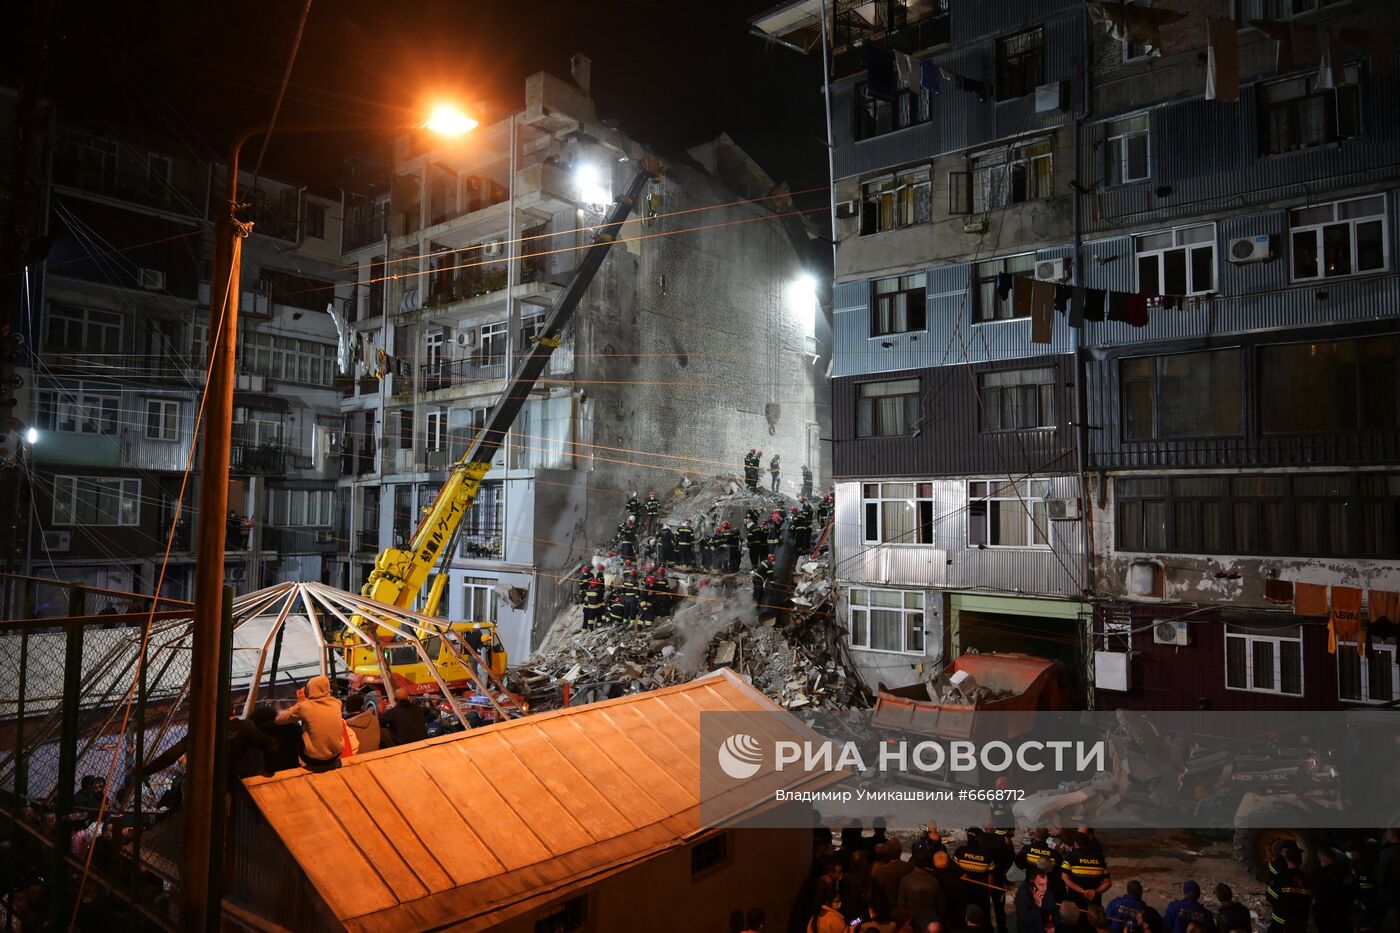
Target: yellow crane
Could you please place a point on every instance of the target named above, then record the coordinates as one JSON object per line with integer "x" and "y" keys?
{"x": 400, "y": 574}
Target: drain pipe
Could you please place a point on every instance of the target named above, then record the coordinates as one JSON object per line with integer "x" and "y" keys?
{"x": 1081, "y": 432}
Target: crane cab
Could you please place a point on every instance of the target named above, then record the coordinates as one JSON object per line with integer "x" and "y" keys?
{"x": 406, "y": 665}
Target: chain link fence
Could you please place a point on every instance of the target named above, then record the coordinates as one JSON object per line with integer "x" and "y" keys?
{"x": 94, "y": 701}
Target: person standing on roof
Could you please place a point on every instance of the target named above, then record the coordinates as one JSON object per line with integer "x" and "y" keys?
{"x": 323, "y": 736}
{"x": 652, "y": 507}
{"x": 761, "y": 575}
{"x": 685, "y": 545}
{"x": 775, "y": 471}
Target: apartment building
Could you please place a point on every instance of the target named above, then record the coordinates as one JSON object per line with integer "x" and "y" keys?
{"x": 1116, "y": 495}
{"x": 699, "y": 338}
{"x": 119, "y": 339}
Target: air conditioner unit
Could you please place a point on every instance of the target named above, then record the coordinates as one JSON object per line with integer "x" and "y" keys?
{"x": 975, "y": 226}
{"x": 1062, "y": 510}
{"x": 1113, "y": 671}
{"x": 237, "y": 573}
{"x": 846, "y": 209}
{"x": 493, "y": 248}
{"x": 1247, "y": 249}
{"x": 1052, "y": 270}
{"x": 465, "y": 338}
{"x": 1171, "y": 633}
{"x": 325, "y": 537}
{"x": 435, "y": 459}
{"x": 57, "y": 542}
{"x": 153, "y": 279}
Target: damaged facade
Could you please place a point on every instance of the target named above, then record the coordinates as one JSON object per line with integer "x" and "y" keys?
{"x": 119, "y": 335}
{"x": 1063, "y": 496}
{"x": 694, "y": 343}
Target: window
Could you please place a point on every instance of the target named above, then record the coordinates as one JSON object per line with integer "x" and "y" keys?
{"x": 436, "y": 342}
{"x": 1127, "y": 158}
{"x": 315, "y": 221}
{"x": 1264, "y": 663}
{"x": 531, "y": 326}
{"x": 436, "y": 436}
{"x": 897, "y": 305}
{"x": 277, "y": 357}
{"x": 1141, "y": 514}
{"x": 875, "y": 117}
{"x": 1332, "y": 240}
{"x": 1008, "y": 514}
{"x": 1339, "y": 385}
{"x": 568, "y": 917}
{"x": 1259, "y": 514}
{"x": 1297, "y": 114}
{"x": 1287, "y": 9}
{"x": 85, "y": 409}
{"x": 901, "y": 200}
{"x": 989, "y": 306}
{"x": 162, "y": 420}
{"x": 96, "y": 500}
{"x": 1117, "y": 635}
{"x": 887, "y": 620}
{"x": 1017, "y": 399}
{"x": 302, "y": 507}
{"x": 897, "y": 513}
{"x": 1177, "y": 262}
{"x": 1322, "y": 514}
{"x": 494, "y": 338}
{"x": 1374, "y": 678}
{"x": 480, "y": 603}
{"x": 94, "y": 161}
{"x": 1020, "y": 64}
{"x": 712, "y": 853}
{"x": 1198, "y": 517}
{"x": 86, "y": 329}
{"x": 1004, "y": 176}
{"x": 483, "y": 526}
{"x": 1182, "y": 395}
{"x": 887, "y": 409}
{"x": 158, "y": 176}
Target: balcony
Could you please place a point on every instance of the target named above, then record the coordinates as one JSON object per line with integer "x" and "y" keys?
{"x": 258, "y": 459}
{"x": 445, "y": 374}
{"x": 357, "y": 462}
{"x": 853, "y": 32}
{"x": 99, "y": 176}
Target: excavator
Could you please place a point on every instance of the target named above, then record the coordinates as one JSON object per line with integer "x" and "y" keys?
{"x": 466, "y": 655}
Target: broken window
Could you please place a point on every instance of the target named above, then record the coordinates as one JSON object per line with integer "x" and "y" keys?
{"x": 1020, "y": 64}
{"x": 1334, "y": 240}
{"x": 889, "y": 408}
{"x": 1264, "y": 663}
{"x": 1330, "y": 386}
{"x": 887, "y": 620}
{"x": 1182, "y": 395}
{"x": 1008, "y": 514}
{"x": 875, "y": 116}
{"x": 1176, "y": 262}
{"x": 897, "y": 513}
{"x": 1017, "y": 399}
{"x": 898, "y": 305}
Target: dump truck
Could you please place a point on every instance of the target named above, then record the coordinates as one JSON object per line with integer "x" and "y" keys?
{"x": 401, "y": 575}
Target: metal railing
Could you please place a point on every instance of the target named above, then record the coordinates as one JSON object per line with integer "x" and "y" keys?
{"x": 444, "y": 374}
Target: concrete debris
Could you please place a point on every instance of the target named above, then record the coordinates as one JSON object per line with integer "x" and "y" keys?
{"x": 798, "y": 656}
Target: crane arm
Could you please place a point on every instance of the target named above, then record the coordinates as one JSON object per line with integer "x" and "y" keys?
{"x": 400, "y": 574}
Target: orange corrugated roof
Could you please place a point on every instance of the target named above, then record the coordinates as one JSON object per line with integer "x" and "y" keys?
{"x": 473, "y": 828}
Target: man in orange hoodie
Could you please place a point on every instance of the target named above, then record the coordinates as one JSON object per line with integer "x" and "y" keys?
{"x": 322, "y": 728}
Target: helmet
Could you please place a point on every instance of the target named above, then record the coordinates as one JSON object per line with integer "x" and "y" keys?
{"x": 597, "y": 583}
{"x": 617, "y": 597}
{"x": 598, "y": 567}
{"x": 802, "y": 499}
{"x": 651, "y": 579}
{"x": 771, "y": 558}
{"x": 750, "y": 450}
{"x": 793, "y": 510}
{"x": 724, "y": 524}
{"x": 760, "y": 453}
{"x": 651, "y": 492}
{"x": 631, "y": 519}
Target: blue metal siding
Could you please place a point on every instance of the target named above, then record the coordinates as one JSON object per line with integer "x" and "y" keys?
{"x": 1256, "y": 276}
{"x": 984, "y": 18}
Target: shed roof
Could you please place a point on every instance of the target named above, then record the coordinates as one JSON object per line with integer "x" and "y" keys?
{"x": 473, "y": 828}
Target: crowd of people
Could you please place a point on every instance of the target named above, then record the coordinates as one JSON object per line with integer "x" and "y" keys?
{"x": 1058, "y": 881}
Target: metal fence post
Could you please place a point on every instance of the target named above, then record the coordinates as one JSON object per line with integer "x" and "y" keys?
{"x": 59, "y": 888}
{"x": 21, "y": 760}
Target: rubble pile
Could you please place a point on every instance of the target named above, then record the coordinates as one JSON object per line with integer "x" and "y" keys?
{"x": 798, "y": 657}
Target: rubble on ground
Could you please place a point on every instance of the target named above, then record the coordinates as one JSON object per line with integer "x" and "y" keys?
{"x": 799, "y": 657}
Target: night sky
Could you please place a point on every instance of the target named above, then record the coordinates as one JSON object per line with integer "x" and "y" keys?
{"x": 671, "y": 73}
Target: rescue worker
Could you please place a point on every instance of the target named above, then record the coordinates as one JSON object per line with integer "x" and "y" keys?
{"x": 1187, "y": 910}
{"x": 1085, "y": 871}
{"x": 806, "y": 482}
{"x": 665, "y": 544}
{"x": 752, "y": 514}
{"x": 978, "y": 870}
{"x": 751, "y": 469}
{"x": 653, "y": 511}
{"x": 634, "y": 504}
{"x": 662, "y": 594}
{"x": 627, "y": 538}
{"x": 731, "y": 546}
{"x": 775, "y": 532}
{"x": 1365, "y": 856}
{"x": 627, "y": 588}
{"x": 761, "y": 575}
{"x": 593, "y": 604}
{"x": 1292, "y": 898}
{"x": 617, "y": 612}
{"x": 685, "y": 545}
{"x": 824, "y": 509}
{"x": 1334, "y": 890}
{"x": 801, "y": 530}
{"x": 757, "y": 539}
{"x": 1125, "y": 912}
{"x": 585, "y": 577}
{"x": 719, "y": 548}
{"x": 646, "y": 603}
{"x": 775, "y": 471}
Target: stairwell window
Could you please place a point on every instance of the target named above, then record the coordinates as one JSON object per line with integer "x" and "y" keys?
{"x": 895, "y": 201}
{"x": 1373, "y": 678}
{"x": 1334, "y": 240}
{"x": 889, "y": 408}
{"x": 1264, "y": 663}
{"x": 887, "y": 620}
{"x": 1008, "y": 514}
{"x": 1297, "y": 114}
{"x": 897, "y": 513}
{"x": 1017, "y": 399}
{"x": 898, "y": 305}
{"x": 1176, "y": 262}
{"x": 1020, "y": 63}
{"x": 1127, "y": 158}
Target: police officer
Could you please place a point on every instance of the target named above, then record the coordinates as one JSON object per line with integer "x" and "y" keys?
{"x": 757, "y": 540}
{"x": 731, "y": 546}
{"x": 685, "y": 545}
{"x": 1084, "y": 870}
{"x": 997, "y": 847}
{"x": 652, "y": 508}
{"x": 1039, "y": 848}
{"x": 617, "y": 612}
{"x": 761, "y": 575}
{"x": 665, "y": 544}
{"x": 977, "y": 870}
{"x": 593, "y": 604}
{"x": 627, "y": 538}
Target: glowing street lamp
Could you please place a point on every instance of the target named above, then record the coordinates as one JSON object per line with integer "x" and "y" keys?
{"x": 446, "y": 120}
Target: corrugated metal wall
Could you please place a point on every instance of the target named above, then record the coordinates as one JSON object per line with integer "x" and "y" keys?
{"x": 949, "y": 562}
{"x": 949, "y": 442}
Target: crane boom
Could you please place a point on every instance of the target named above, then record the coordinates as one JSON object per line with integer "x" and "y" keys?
{"x": 400, "y": 573}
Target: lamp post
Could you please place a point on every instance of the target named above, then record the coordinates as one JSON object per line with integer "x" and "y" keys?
{"x": 203, "y": 795}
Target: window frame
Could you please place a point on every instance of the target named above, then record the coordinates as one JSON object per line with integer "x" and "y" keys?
{"x": 989, "y": 181}
{"x": 912, "y": 415}
{"x": 1347, "y": 650}
{"x": 1360, "y": 391}
{"x": 1319, "y": 229}
{"x": 164, "y": 418}
{"x": 1155, "y": 382}
{"x": 1006, "y": 61}
{"x": 315, "y": 221}
{"x": 1045, "y": 403}
{"x": 1121, "y": 138}
{"x": 873, "y": 117}
{"x": 984, "y": 276}
{"x": 1250, "y": 639}
{"x": 915, "y": 304}
{"x": 993, "y": 494}
{"x": 471, "y": 587}
{"x": 863, "y": 605}
{"x": 1188, "y": 251}
{"x": 58, "y": 406}
{"x": 435, "y": 430}
{"x": 127, "y": 509}
{"x": 102, "y": 330}
{"x": 897, "y": 193}
{"x": 924, "y": 529}
{"x": 1345, "y": 95}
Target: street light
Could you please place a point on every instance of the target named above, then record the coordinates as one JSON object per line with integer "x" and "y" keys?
{"x": 31, "y": 436}
{"x": 198, "y": 909}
